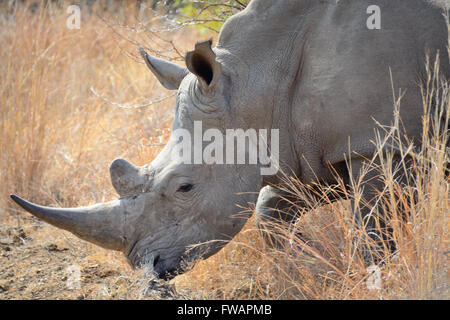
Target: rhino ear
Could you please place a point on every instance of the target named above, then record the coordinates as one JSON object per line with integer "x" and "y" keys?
{"x": 169, "y": 74}
{"x": 202, "y": 62}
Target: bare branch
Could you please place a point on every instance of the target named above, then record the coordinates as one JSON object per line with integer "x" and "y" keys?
{"x": 125, "y": 106}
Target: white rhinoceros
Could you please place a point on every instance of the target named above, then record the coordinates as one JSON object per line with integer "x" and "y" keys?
{"x": 319, "y": 71}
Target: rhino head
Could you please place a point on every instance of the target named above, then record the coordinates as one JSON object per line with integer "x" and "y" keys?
{"x": 170, "y": 212}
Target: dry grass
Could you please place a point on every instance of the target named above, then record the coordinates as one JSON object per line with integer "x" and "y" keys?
{"x": 57, "y": 138}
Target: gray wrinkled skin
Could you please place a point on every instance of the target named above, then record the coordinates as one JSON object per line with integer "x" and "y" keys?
{"x": 309, "y": 68}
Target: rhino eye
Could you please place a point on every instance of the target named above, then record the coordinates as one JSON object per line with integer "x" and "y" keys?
{"x": 185, "y": 187}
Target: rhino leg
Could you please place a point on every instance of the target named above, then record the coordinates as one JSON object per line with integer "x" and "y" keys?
{"x": 274, "y": 210}
{"x": 372, "y": 220}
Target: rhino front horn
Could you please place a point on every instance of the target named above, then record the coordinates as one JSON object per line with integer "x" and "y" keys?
{"x": 101, "y": 224}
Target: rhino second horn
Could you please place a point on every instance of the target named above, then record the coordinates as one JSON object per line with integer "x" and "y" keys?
{"x": 125, "y": 177}
{"x": 100, "y": 224}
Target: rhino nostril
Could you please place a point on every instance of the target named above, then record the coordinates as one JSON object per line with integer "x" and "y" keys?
{"x": 155, "y": 262}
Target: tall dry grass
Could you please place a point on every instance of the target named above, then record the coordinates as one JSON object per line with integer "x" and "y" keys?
{"x": 57, "y": 137}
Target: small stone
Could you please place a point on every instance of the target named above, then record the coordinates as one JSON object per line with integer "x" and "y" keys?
{"x": 52, "y": 247}
{"x": 4, "y": 286}
{"x": 6, "y": 241}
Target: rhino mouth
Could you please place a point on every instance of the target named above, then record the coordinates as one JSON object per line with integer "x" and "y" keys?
{"x": 162, "y": 265}
{"x": 164, "y": 269}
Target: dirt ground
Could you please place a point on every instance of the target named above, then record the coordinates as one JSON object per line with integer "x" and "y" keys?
{"x": 40, "y": 262}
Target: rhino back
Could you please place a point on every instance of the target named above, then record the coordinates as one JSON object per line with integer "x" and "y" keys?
{"x": 350, "y": 72}
{"x": 317, "y": 72}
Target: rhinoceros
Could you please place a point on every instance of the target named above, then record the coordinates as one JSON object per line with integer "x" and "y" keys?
{"x": 317, "y": 71}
